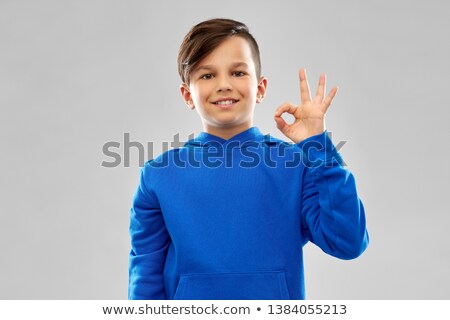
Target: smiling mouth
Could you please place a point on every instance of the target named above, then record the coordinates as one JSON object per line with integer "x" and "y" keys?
{"x": 227, "y": 102}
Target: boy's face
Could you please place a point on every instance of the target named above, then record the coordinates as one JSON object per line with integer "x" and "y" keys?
{"x": 224, "y": 88}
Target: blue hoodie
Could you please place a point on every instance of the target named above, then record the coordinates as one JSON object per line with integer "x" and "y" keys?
{"x": 227, "y": 219}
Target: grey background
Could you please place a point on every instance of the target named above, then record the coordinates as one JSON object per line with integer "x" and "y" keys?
{"x": 77, "y": 74}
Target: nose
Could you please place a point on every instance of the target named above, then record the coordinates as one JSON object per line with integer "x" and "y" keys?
{"x": 224, "y": 84}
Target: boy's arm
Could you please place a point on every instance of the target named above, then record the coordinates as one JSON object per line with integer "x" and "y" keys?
{"x": 333, "y": 216}
{"x": 332, "y": 213}
{"x": 149, "y": 244}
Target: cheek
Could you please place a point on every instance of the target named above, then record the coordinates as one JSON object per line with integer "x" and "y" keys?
{"x": 251, "y": 92}
{"x": 250, "y": 88}
{"x": 202, "y": 92}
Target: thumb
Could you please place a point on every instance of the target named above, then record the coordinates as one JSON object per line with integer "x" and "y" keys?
{"x": 281, "y": 124}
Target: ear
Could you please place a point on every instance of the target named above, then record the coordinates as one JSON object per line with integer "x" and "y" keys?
{"x": 262, "y": 87}
{"x": 186, "y": 94}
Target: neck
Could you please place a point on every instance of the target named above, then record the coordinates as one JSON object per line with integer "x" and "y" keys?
{"x": 226, "y": 132}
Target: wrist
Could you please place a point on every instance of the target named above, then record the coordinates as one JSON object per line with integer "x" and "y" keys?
{"x": 319, "y": 149}
{"x": 308, "y": 135}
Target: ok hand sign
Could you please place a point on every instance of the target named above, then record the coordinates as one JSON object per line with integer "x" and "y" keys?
{"x": 310, "y": 115}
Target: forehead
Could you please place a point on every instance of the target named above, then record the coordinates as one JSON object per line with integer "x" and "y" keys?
{"x": 231, "y": 51}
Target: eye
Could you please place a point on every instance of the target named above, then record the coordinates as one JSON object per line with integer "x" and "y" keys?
{"x": 238, "y": 73}
{"x": 206, "y": 76}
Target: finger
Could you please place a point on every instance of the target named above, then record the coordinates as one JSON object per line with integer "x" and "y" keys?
{"x": 329, "y": 99}
{"x": 285, "y": 107}
{"x": 281, "y": 124}
{"x": 321, "y": 88}
{"x": 305, "y": 94}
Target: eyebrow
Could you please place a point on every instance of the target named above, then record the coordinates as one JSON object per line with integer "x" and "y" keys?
{"x": 210, "y": 67}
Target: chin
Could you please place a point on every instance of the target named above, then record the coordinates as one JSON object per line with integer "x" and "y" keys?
{"x": 228, "y": 121}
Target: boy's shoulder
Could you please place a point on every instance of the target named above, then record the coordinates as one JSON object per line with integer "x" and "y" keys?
{"x": 271, "y": 140}
{"x": 164, "y": 157}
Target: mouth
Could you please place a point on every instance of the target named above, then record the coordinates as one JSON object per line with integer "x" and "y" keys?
{"x": 225, "y": 103}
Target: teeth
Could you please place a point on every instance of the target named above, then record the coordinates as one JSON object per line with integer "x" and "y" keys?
{"x": 225, "y": 102}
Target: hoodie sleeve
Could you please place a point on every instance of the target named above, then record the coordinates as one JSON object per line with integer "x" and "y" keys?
{"x": 149, "y": 244}
{"x": 332, "y": 214}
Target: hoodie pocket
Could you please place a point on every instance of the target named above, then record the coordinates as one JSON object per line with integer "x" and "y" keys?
{"x": 233, "y": 286}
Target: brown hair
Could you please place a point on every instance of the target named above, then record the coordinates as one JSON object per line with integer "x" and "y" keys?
{"x": 204, "y": 37}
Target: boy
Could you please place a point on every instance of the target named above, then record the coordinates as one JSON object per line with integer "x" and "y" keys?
{"x": 227, "y": 215}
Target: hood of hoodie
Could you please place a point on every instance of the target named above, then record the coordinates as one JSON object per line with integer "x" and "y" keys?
{"x": 252, "y": 134}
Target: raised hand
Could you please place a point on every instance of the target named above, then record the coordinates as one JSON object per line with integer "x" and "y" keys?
{"x": 309, "y": 115}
